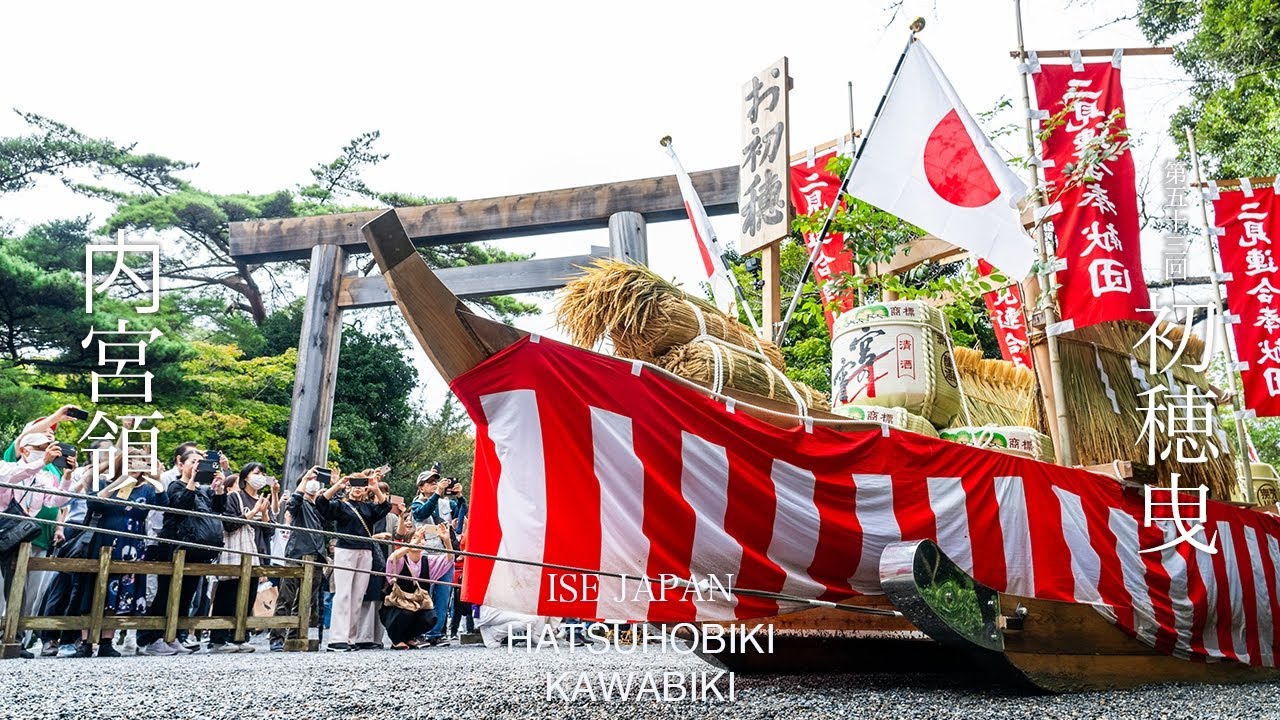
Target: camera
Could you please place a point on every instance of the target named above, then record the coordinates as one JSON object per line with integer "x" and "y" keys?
{"x": 77, "y": 414}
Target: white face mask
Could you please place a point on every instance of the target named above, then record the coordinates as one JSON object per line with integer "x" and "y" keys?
{"x": 312, "y": 487}
{"x": 257, "y": 482}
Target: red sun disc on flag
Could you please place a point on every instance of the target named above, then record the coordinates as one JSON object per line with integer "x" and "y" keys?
{"x": 953, "y": 166}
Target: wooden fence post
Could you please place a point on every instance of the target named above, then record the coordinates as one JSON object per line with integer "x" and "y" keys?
{"x": 99, "y": 595}
{"x": 242, "y": 597}
{"x": 303, "y": 641}
{"x": 628, "y": 239}
{"x": 13, "y": 611}
{"x": 307, "y": 443}
{"x": 174, "y": 609}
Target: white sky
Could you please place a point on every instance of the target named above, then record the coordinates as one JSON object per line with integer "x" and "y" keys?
{"x": 486, "y": 99}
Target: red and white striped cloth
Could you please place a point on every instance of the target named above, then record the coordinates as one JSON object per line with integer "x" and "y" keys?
{"x": 596, "y": 462}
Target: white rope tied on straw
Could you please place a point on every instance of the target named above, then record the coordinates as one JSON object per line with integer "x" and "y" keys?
{"x": 802, "y": 407}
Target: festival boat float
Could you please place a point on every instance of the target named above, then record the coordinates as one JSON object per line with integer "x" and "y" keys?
{"x": 867, "y": 546}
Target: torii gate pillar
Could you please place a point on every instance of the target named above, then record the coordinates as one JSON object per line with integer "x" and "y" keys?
{"x": 307, "y": 443}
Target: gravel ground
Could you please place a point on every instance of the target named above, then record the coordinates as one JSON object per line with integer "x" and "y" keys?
{"x": 472, "y": 682}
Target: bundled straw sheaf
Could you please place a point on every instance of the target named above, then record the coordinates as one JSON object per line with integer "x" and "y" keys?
{"x": 697, "y": 362}
{"x": 644, "y": 315}
{"x": 1100, "y": 434}
{"x": 999, "y": 392}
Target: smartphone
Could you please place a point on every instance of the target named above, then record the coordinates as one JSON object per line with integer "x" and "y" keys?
{"x": 205, "y": 470}
{"x": 77, "y": 414}
{"x": 359, "y": 482}
{"x": 68, "y": 450}
{"x": 383, "y": 470}
{"x": 214, "y": 457}
{"x": 324, "y": 475}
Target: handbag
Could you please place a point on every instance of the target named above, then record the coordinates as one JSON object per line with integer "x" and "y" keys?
{"x": 80, "y": 546}
{"x": 16, "y": 527}
{"x": 414, "y": 601}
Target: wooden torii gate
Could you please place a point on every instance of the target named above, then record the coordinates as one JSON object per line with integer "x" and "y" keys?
{"x": 328, "y": 240}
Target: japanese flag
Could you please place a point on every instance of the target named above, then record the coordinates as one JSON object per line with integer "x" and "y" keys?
{"x": 927, "y": 162}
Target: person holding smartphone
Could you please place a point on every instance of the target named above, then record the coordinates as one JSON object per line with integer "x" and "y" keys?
{"x": 305, "y": 524}
{"x": 357, "y": 513}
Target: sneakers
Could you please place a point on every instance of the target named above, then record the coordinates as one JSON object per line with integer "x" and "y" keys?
{"x": 368, "y": 646}
{"x": 158, "y": 647}
{"x": 277, "y": 645}
{"x": 243, "y": 647}
{"x": 222, "y": 648}
{"x": 178, "y": 648}
{"x": 67, "y": 650}
{"x": 48, "y": 649}
{"x": 106, "y": 649}
{"x": 339, "y": 647}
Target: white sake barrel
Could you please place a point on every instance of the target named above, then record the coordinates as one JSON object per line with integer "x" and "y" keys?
{"x": 894, "y": 354}
{"x": 1013, "y": 439}
{"x": 893, "y": 417}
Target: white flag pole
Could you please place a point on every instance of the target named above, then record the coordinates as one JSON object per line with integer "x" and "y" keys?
{"x": 1228, "y": 345}
{"x": 1055, "y": 400}
{"x": 781, "y": 334}
{"x": 713, "y": 243}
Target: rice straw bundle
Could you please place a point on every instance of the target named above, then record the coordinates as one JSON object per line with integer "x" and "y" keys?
{"x": 1100, "y": 434}
{"x": 999, "y": 392}
{"x": 697, "y": 362}
{"x": 644, "y": 315}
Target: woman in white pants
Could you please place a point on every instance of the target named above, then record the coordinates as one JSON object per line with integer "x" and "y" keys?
{"x": 354, "y": 505}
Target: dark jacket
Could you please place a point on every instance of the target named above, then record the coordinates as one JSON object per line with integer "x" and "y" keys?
{"x": 346, "y": 518}
{"x": 202, "y": 530}
{"x": 304, "y": 515}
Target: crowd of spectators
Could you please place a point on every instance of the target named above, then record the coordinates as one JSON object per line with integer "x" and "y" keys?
{"x": 239, "y": 511}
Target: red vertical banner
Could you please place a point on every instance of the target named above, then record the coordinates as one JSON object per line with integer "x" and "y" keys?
{"x": 1008, "y": 320}
{"x": 814, "y": 188}
{"x": 1248, "y": 223}
{"x": 1097, "y": 227}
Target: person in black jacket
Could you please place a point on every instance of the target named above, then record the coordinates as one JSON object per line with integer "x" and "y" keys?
{"x": 186, "y": 494}
{"x": 353, "y": 618}
{"x": 302, "y": 515}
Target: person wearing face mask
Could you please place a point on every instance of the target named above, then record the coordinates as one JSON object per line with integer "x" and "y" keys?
{"x": 138, "y": 482}
{"x": 352, "y": 618}
{"x": 250, "y": 496}
{"x": 302, "y": 516}
{"x": 184, "y": 493}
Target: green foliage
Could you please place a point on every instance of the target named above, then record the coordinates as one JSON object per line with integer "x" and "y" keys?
{"x": 372, "y": 416}
{"x": 444, "y": 436}
{"x": 53, "y": 149}
{"x": 1231, "y": 50}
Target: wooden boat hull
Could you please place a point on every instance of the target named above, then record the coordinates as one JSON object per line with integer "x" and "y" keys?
{"x": 1054, "y": 646}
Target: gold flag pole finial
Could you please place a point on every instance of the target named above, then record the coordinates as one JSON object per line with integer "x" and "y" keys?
{"x": 665, "y": 141}
{"x": 917, "y": 25}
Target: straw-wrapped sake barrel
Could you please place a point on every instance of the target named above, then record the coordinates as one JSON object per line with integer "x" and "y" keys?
{"x": 1012, "y": 439}
{"x": 894, "y": 354}
{"x": 894, "y": 417}
{"x": 1266, "y": 487}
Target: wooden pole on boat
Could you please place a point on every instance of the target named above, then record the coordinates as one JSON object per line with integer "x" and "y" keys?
{"x": 1044, "y": 355}
{"x": 1228, "y": 347}
{"x": 316, "y": 376}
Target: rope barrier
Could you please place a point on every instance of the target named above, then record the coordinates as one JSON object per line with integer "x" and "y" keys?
{"x": 678, "y": 582}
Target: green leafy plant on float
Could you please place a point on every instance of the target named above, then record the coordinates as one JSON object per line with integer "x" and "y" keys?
{"x": 875, "y": 238}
